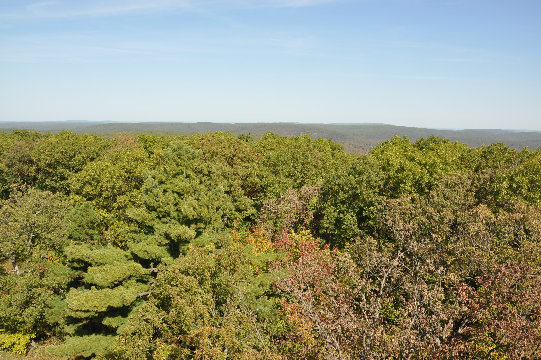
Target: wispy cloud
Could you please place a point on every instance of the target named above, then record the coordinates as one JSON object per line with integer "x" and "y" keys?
{"x": 464, "y": 60}
{"x": 434, "y": 47}
{"x": 99, "y": 8}
{"x": 95, "y": 8}
{"x": 96, "y": 47}
{"x": 444, "y": 52}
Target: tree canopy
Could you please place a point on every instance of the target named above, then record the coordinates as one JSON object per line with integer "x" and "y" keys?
{"x": 216, "y": 246}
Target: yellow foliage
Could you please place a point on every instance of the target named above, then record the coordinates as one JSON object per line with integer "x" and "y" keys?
{"x": 16, "y": 343}
{"x": 257, "y": 237}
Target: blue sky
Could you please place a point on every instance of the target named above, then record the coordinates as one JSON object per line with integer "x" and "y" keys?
{"x": 427, "y": 63}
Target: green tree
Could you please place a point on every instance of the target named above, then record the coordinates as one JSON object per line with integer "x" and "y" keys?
{"x": 32, "y": 238}
{"x": 293, "y": 162}
{"x": 110, "y": 285}
{"x": 58, "y": 157}
{"x": 210, "y": 303}
{"x": 18, "y": 165}
{"x": 31, "y": 227}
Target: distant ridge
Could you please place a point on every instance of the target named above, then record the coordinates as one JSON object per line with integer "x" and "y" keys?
{"x": 354, "y": 137}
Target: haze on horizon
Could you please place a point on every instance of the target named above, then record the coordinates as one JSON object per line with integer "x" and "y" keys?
{"x": 421, "y": 63}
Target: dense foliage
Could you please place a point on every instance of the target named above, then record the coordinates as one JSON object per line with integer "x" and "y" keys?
{"x": 217, "y": 246}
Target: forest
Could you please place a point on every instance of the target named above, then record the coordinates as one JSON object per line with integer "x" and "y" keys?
{"x": 356, "y": 138}
{"x": 223, "y": 246}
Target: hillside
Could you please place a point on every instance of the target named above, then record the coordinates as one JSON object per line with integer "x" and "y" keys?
{"x": 354, "y": 137}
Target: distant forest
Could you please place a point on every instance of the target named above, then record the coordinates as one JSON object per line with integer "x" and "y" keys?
{"x": 220, "y": 245}
{"x": 356, "y": 138}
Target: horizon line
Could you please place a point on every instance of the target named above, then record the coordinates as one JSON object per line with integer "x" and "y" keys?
{"x": 262, "y": 123}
